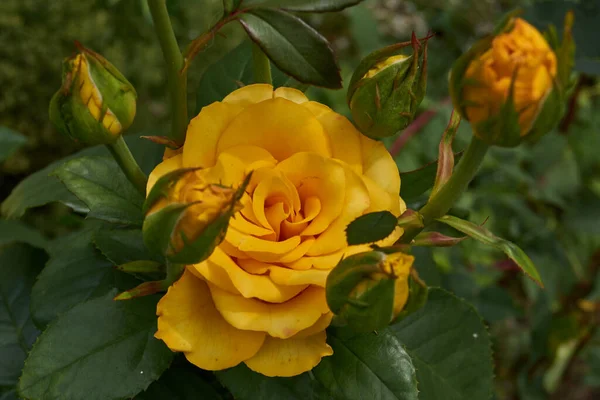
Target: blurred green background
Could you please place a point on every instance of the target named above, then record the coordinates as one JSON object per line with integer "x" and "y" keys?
{"x": 544, "y": 197}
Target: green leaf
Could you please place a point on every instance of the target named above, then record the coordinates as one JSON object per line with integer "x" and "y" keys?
{"x": 75, "y": 272}
{"x": 182, "y": 382}
{"x": 484, "y": 236}
{"x": 100, "y": 183}
{"x": 245, "y": 384}
{"x": 41, "y": 188}
{"x": 305, "y": 5}
{"x": 363, "y": 366}
{"x": 295, "y": 47}
{"x": 101, "y": 349}
{"x": 10, "y": 141}
{"x": 19, "y": 265}
{"x": 231, "y": 72}
{"x": 16, "y": 231}
{"x": 371, "y": 227}
{"x": 367, "y": 366}
{"x": 450, "y": 349}
{"x": 122, "y": 246}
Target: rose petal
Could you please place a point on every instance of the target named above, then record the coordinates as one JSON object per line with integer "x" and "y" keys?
{"x": 291, "y": 94}
{"x": 203, "y": 134}
{"x": 250, "y": 94}
{"x": 379, "y": 166}
{"x": 168, "y": 165}
{"x": 248, "y": 285}
{"x": 314, "y": 175}
{"x": 281, "y": 320}
{"x": 280, "y": 126}
{"x": 188, "y": 321}
{"x": 290, "y": 357}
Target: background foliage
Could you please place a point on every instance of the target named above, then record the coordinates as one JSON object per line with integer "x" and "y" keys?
{"x": 544, "y": 197}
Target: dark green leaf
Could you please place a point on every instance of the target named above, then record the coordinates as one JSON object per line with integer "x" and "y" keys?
{"x": 19, "y": 265}
{"x": 101, "y": 349}
{"x": 450, "y": 348}
{"x": 41, "y": 188}
{"x": 75, "y": 272}
{"x": 305, "y": 5}
{"x": 16, "y": 231}
{"x": 100, "y": 183}
{"x": 182, "y": 382}
{"x": 482, "y": 235}
{"x": 10, "y": 141}
{"x": 122, "y": 246}
{"x": 295, "y": 47}
{"x": 230, "y": 73}
{"x": 371, "y": 227}
{"x": 245, "y": 384}
{"x": 367, "y": 366}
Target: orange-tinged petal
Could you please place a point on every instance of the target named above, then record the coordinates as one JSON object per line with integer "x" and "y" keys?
{"x": 250, "y": 94}
{"x": 168, "y": 165}
{"x": 244, "y": 226}
{"x": 343, "y": 136}
{"x": 290, "y": 357}
{"x": 281, "y": 320}
{"x": 245, "y": 284}
{"x": 314, "y": 175}
{"x": 291, "y": 94}
{"x": 280, "y": 126}
{"x": 203, "y": 134}
{"x": 188, "y": 321}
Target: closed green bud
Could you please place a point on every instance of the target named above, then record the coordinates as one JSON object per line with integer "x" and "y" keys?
{"x": 96, "y": 103}
{"x": 368, "y": 290}
{"x": 387, "y": 88}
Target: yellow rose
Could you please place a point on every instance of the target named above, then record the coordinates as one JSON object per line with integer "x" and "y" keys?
{"x": 521, "y": 54}
{"x": 260, "y": 297}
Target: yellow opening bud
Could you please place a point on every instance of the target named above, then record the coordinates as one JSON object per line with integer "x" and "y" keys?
{"x": 520, "y": 58}
{"x": 96, "y": 103}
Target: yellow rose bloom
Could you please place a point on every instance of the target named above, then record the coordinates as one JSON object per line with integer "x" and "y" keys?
{"x": 521, "y": 54}
{"x": 260, "y": 297}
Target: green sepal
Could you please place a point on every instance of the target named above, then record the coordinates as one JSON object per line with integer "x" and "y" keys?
{"x": 484, "y": 236}
{"x": 435, "y": 239}
{"x": 141, "y": 267}
{"x": 163, "y": 185}
{"x": 417, "y": 297}
{"x": 118, "y": 93}
{"x": 375, "y": 308}
{"x": 159, "y": 226}
{"x": 445, "y": 164}
{"x": 502, "y": 129}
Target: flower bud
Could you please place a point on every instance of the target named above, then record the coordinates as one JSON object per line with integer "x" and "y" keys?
{"x": 507, "y": 85}
{"x": 187, "y": 217}
{"x": 96, "y": 103}
{"x": 368, "y": 290}
{"x": 387, "y": 88}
